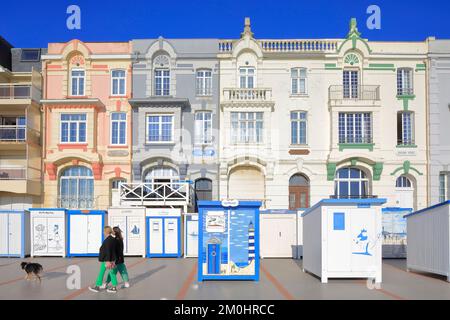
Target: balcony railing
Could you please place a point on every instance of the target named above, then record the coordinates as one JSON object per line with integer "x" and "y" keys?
{"x": 13, "y": 133}
{"x": 13, "y": 173}
{"x": 15, "y": 91}
{"x": 354, "y": 92}
{"x": 240, "y": 95}
{"x": 288, "y": 45}
{"x": 147, "y": 193}
{"x": 355, "y": 140}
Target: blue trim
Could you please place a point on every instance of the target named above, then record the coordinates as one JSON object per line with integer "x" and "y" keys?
{"x": 22, "y": 213}
{"x": 355, "y": 202}
{"x": 163, "y": 254}
{"x": 83, "y": 213}
{"x": 217, "y": 206}
{"x": 396, "y": 209}
{"x": 427, "y": 209}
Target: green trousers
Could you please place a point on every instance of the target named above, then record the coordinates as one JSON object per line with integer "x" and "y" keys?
{"x": 122, "y": 269}
{"x": 111, "y": 275}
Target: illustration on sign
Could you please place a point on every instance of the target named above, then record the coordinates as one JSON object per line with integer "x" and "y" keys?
{"x": 362, "y": 243}
{"x": 215, "y": 222}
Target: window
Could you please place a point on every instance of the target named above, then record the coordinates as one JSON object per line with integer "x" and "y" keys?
{"x": 351, "y": 84}
{"x": 247, "y": 77}
{"x": 203, "y": 189}
{"x": 164, "y": 174}
{"x": 298, "y": 81}
{"x": 118, "y": 78}
{"x": 13, "y": 128}
{"x": 116, "y": 183}
{"x": 162, "y": 82}
{"x": 203, "y": 127}
{"x": 30, "y": 55}
{"x": 298, "y": 127}
{"x": 76, "y": 188}
{"x": 405, "y": 128}
{"x": 118, "y": 128}
{"x": 204, "y": 82}
{"x": 404, "y": 82}
{"x": 443, "y": 177}
{"x": 339, "y": 221}
{"x": 355, "y": 128}
{"x": 247, "y": 127}
{"x": 403, "y": 182}
{"x": 159, "y": 128}
{"x": 77, "y": 79}
{"x": 351, "y": 183}
{"x": 73, "y": 128}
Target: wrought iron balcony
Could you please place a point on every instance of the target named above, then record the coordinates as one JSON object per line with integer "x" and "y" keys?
{"x": 359, "y": 93}
{"x": 156, "y": 193}
{"x": 71, "y": 202}
{"x": 247, "y": 95}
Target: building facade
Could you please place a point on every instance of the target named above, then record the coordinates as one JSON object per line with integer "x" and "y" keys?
{"x": 439, "y": 119}
{"x": 303, "y": 120}
{"x": 20, "y": 129}
{"x": 87, "y": 123}
{"x": 175, "y": 118}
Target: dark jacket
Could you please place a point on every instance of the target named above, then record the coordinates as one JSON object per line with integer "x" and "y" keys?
{"x": 120, "y": 257}
{"x": 108, "y": 250}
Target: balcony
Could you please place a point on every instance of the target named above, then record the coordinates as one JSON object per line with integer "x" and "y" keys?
{"x": 18, "y": 93}
{"x": 366, "y": 95}
{"x": 20, "y": 180}
{"x": 156, "y": 194}
{"x": 244, "y": 97}
{"x": 16, "y": 136}
{"x": 70, "y": 202}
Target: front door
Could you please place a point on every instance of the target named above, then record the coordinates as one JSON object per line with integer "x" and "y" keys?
{"x": 155, "y": 234}
{"x": 134, "y": 235}
{"x": 4, "y": 234}
{"x": 15, "y": 234}
{"x": 95, "y": 233}
{"x": 78, "y": 234}
{"x": 298, "y": 198}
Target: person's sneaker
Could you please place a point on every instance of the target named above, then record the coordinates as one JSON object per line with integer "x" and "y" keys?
{"x": 95, "y": 289}
{"x": 103, "y": 286}
{"x": 126, "y": 285}
{"x": 112, "y": 290}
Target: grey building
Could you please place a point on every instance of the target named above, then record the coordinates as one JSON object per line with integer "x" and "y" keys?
{"x": 439, "y": 120}
{"x": 175, "y": 114}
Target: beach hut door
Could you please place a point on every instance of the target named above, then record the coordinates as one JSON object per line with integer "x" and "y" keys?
{"x": 213, "y": 258}
{"x": 15, "y": 234}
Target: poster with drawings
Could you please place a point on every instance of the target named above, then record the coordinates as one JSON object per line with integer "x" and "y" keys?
{"x": 215, "y": 221}
{"x": 40, "y": 235}
{"x": 55, "y": 235}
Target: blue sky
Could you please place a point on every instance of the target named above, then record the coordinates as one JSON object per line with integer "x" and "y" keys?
{"x": 35, "y": 23}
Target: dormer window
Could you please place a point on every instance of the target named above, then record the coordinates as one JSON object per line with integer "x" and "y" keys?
{"x": 77, "y": 79}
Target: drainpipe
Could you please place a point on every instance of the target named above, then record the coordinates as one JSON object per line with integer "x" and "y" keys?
{"x": 427, "y": 121}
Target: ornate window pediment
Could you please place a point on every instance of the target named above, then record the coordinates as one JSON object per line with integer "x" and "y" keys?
{"x": 161, "y": 61}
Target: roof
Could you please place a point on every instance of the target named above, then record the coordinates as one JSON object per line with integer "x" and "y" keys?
{"x": 354, "y": 202}
{"x": 428, "y": 209}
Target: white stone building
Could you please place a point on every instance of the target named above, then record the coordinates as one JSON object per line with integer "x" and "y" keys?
{"x": 303, "y": 120}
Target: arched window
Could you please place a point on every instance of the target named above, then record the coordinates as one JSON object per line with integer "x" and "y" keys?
{"x": 161, "y": 65}
{"x": 403, "y": 182}
{"x": 351, "y": 183}
{"x": 161, "y": 174}
{"x": 76, "y": 188}
{"x": 298, "y": 192}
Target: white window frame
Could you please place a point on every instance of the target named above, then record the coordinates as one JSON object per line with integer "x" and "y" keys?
{"x": 77, "y": 78}
{"x": 236, "y": 134}
{"x": 299, "y": 121}
{"x": 349, "y": 180}
{"x": 147, "y": 119}
{"x": 163, "y": 93}
{"x": 203, "y": 82}
{"x": 69, "y": 122}
{"x": 404, "y": 137}
{"x": 297, "y": 80}
{"x": 203, "y": 136}
{"x": 121, "y": 121}
{"x": 246, "y": 76}
{"x": 407, "y": 87}
{"x": 119, "y": 80}
{"x": 363, "y": 128}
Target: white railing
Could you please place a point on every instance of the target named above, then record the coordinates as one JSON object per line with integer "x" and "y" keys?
{"x": 288, "y": 45}
{"x": 238, "y": 94}
{"x": 148, "y": 193}
{"x": 13, "y": 173}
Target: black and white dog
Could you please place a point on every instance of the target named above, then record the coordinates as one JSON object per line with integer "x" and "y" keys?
{"x": 32, "y": 269}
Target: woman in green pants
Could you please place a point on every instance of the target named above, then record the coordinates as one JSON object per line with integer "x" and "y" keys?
{"x": 120, "y": 261}
{"x": 107, "y": 257}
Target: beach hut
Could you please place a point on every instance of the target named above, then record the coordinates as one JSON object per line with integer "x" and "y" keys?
{"x": 164, "y": 232}
{"x": 85, "y": 232}
{"x": 48, "y": 232}
{"x": 14, "y": 233}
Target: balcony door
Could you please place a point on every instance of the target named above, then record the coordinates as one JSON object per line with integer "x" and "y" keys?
{"x": 298, "y": 192}
{"x": 351, "y": 84}
{"x": 247, "y": 78}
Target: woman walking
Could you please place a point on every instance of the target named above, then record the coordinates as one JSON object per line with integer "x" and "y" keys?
{"x": 107, "y": 257}
{"x": 120, "y": 261}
